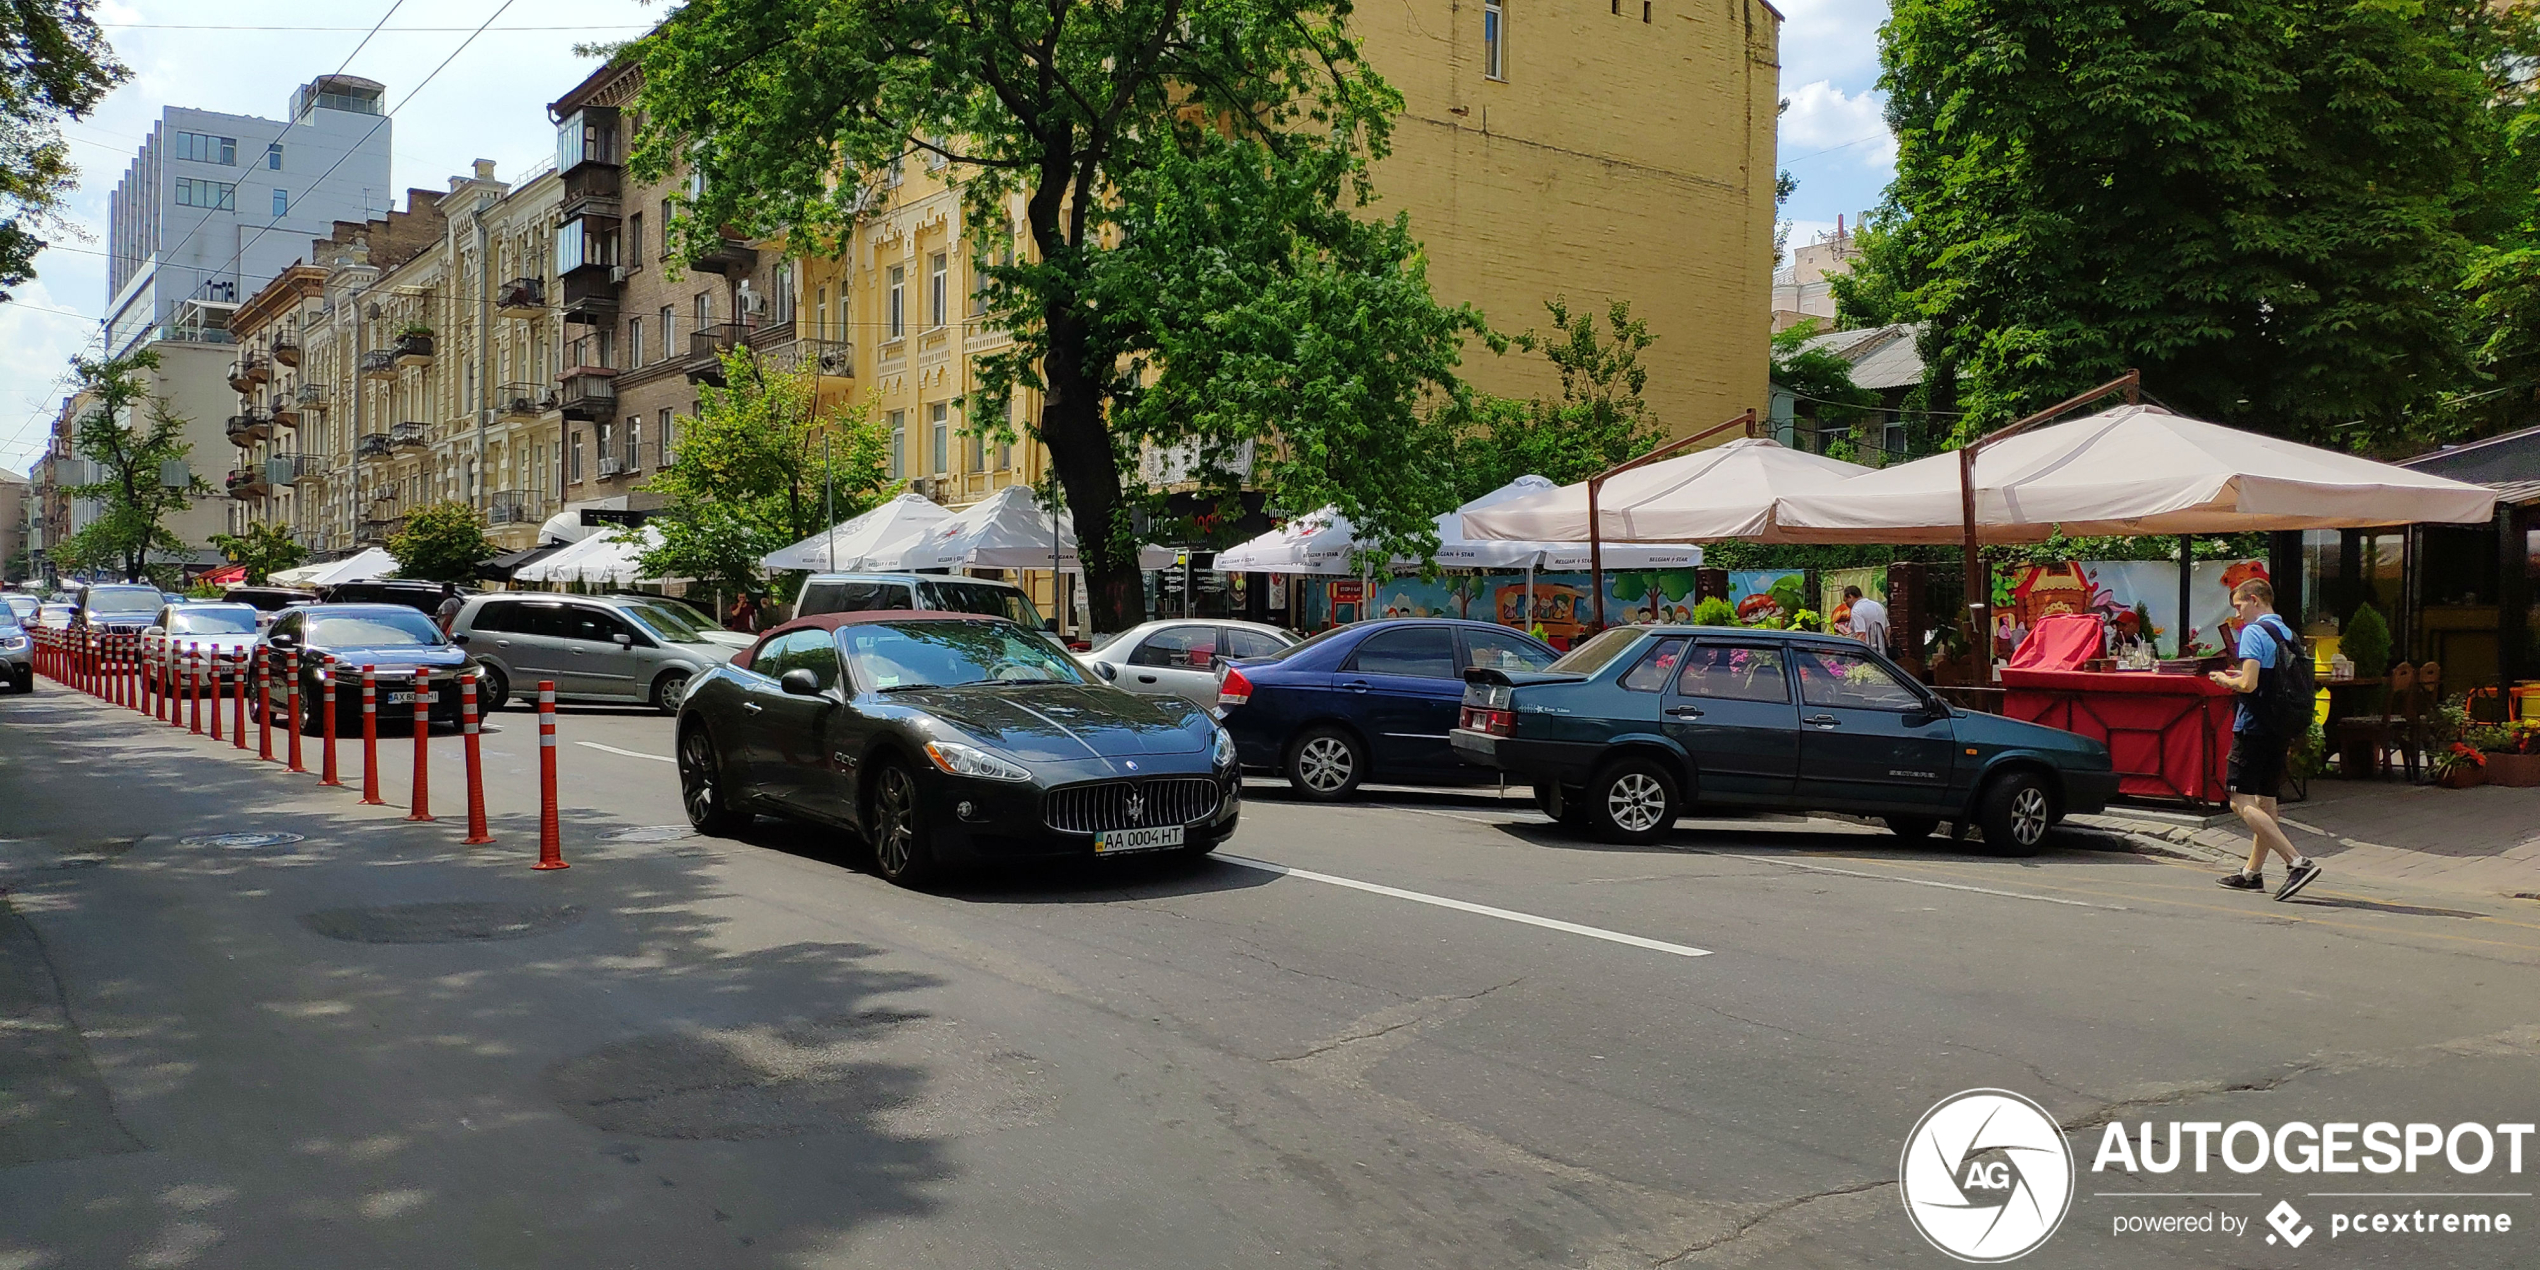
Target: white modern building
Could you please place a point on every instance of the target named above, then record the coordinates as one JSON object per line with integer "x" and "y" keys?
{"x": 216, "y": 204}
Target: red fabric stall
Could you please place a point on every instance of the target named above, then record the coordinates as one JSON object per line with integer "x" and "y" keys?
{"x": 2169, "y": 735}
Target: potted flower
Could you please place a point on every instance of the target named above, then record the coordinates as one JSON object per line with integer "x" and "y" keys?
{"x": 414, "y": 345}
{"x": 2512, "y": 753}
{"x": 2460, "y": 766}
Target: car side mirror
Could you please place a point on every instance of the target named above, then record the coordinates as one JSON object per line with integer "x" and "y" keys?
{"x": 1107, "y": 670}
{"x": 283, "y": 639}
{"x": 1050, "y": 624}
{"x": 156, "y": 630}
{"x": 799, "y": 682}
{"x": 459, "y": 638}
{"x": 623, "y": 640}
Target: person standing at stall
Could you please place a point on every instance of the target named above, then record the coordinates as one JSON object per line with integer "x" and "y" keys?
{"x": 1869, "y": 618}
{"x": 2259, "y": 741}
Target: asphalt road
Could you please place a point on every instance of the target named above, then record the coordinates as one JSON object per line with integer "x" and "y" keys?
{"x": 1422, "y": 1030}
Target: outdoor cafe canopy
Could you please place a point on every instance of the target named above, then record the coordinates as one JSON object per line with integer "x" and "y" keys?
{"x": 2128, "y": 471}
{"x": 1726, "y": 491}
{"x": 1324, "y": 543}
{"x": 880, "y": 534}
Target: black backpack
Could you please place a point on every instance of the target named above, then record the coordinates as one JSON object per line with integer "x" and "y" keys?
{"x": 2291, "y": 691}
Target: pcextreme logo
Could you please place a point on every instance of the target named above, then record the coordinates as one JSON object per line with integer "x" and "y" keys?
{"x": 1986, "y": 1176}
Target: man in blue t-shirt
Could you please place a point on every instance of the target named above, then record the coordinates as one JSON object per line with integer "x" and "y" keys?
{"x": 2258, "y": 743}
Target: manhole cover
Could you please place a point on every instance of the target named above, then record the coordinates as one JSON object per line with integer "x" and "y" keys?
{"x": 649, "y": 833}
{"x": 240, "y": 841}
{"x": 451, "y": 923}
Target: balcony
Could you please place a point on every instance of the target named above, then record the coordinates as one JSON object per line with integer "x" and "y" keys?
{"x": 378, "y": 532}
{"x": 512, "y": 507}
{"x": 286, "y": 350}
{"x": 590, "y": 193}
{"x": 382, "y": 499}
{"x": 524, "y": 401}
{"x": 373, "y": 445}
{"x": 307, "y": 468}
{"x": 414, "y": 348}
{"x": 728, "y": 257}
{"x": 249, "y": 426}
{"x": 409, "y": 436}
{"x": 379, "y": 363}
{"x": 589, "y": 393}
{"x": 285, "y": 409}
{"x": 247, "y": 483}
{"x": 248, "y": 371}
{"x": 311, "y": 396}
{"x": 590, "y": 297}
{"x": 524, "y": 297}
{"x": 830, "y": 359}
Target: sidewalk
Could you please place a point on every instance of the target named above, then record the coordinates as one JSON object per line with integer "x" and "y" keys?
{"x": 2484, "y": 840}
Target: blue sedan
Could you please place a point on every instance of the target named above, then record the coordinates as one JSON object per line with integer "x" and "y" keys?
{"x": 1371, "y": 701}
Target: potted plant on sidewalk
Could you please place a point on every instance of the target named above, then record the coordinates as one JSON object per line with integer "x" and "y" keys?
{"x": 2511, "y": 752}
{"x": 2459, "y": 766}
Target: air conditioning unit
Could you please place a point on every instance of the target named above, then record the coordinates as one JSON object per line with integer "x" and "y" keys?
{"x": 617, "y": 275}
{"x": 753, "y": 303}
{"x": 612, "y": 467}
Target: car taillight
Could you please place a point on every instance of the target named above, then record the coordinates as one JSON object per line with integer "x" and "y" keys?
{"x": 1232, "y": 688}
{"x": 1494, "y": 722}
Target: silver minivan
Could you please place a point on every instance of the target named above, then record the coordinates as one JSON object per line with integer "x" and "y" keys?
{"x": 622, "y": 648}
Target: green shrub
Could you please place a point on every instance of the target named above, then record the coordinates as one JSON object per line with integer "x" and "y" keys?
{"x": 2367, "y": 643}
{"x": 1715, "y": 611}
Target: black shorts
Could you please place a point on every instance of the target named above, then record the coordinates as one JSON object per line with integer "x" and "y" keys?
{"x": 2257, "y": 763}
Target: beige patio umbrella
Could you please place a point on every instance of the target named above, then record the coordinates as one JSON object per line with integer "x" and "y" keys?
{"x": 1727, "y": 491}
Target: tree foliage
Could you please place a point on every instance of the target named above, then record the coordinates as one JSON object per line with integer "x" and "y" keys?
{"x": 1175, "y": 174}
{"x": 752, "y": 472}
{"x": 54, "y": 65}
{"x": 266, "y": 549}
{"x": 2266, "y": 205}
{"x": 1599, "y": 421}
{"x": 1822, "y": 382}
{"x": 441, "y": 543}
{"x": 132, "y": 459}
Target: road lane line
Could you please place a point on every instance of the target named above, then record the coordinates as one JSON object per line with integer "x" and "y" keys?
{"x": 628, "y": 753}
{"x": 1946, "y": 886}
{"x": 1464, "y": 906}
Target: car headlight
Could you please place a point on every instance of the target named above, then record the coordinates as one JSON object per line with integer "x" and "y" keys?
{"x": 970, "y": 760}
{"x": 1223, "y": 752}
{"x": 12, "y": 643}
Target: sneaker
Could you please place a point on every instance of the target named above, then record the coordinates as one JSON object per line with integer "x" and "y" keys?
{"x": 2296, "y": 878}
{"x": 2243, "y": 881}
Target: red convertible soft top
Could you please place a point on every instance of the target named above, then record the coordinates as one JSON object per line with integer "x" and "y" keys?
{"x": 858, "y": 617}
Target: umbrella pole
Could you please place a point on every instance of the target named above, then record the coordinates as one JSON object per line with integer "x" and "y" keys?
{"x": 1745, "y": 423}
{"x": 1530, "y": 597}
{"x": 1979, "y": 591}
{"x": 2186, "y": 575}
{"x": 828, "y": 503}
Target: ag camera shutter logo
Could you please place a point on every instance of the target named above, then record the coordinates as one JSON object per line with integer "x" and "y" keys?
{"x": 1986, "y": 1176}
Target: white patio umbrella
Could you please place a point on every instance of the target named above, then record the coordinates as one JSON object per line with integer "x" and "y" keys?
{"x": 2130, "y": 470}
{"x": 1726, "y": 491}
{"x": 881, "y": 533}
{"x": 599, "y": 560}
{"x": 373, "y": 562}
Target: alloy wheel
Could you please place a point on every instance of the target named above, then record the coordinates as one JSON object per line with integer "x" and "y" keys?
{"x": 2029, "y": 816}
{"x": 1325, "y": 763}
{"x": 696, "y": 776}
{"x": 1635, "y": 801}
{"x": 896, "y": 843}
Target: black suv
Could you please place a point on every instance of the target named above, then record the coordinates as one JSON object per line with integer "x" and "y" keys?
{"x": 423, "y": 597}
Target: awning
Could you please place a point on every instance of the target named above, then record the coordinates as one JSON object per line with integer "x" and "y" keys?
{"x": 1726, "y": 491}
{"x": 372, "y": 562}
{"x": 884, "y": 533}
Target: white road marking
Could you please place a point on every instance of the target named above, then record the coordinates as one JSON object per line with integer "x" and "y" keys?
{"x": 1946, "y": 886}
{"x": 1463, "y": 906}
{"x": 628, "y": 753}
{"x": 2288, "y": 820}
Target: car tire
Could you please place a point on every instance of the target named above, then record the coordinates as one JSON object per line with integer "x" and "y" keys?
{"x": 493, "y": 691}
{"x": 1633, "y": 801}
{"x": 2016, "y": 813}
{"x": 1912, "y": 828}
{"x": 669, "y": 691}
{"x": 901, "y": 852}
{"x": 706, "y": 792}
{"x": 1326, "y": 764}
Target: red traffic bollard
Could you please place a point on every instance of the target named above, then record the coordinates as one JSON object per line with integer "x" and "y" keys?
{"x": 211, "y": 679}
{"x": 422, "y": 808}
{"x": 141, "y": 659}
{"x": 476, "y": 831}
{"x": 331, "y": 674}
{"x": 370, "y": 736}
{"x": 550, "y": 835}
{"x": 291, "y": 702}
{"x": 264, "y": 708}
{"x": 194, "y": 686}
{"x": 238, "y": 693}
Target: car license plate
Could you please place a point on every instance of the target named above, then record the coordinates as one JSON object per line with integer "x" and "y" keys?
{"x": 400, "y": 698}
{"x": 1123, "y": 841}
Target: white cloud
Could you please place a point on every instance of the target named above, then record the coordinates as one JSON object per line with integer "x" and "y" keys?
{"x": 1831, "y": 39}
{"x": 1824, "y": 124}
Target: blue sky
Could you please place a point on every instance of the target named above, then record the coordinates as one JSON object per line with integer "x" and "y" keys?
{"x": 1833, "y": 137}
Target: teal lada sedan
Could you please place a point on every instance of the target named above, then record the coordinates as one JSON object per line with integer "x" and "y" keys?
{"x": 1641, "y": 724}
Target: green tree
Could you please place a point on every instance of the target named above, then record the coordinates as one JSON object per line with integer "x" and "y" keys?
{"x": 1599, "y": 421}
{"x": 54, "y": 65}
{"x": 2266, "y": 205}
{"x": 133, "y": 461}
{"x": 441, "y": 543}
{"x": 1191, "y": 276}
{"x": 1823, "y": 384}
{"x": 756, "y": 470}
{"x": 265, "y": 549}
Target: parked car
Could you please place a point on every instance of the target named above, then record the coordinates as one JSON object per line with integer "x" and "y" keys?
{"x": 1370, "y": 701}
{"x": 594, "y": 647}
{"x": 17, "y": 652}
{"x": 21, "y": 605}
{"x": 1179, "y": 658}
{"x": 120, "y": 608}
{"x": 52, "y": 616}
{"x": 392, "y": 639}
{"x": 1638, "y": 724}
{"x": 933, "y": 592}
{"x": 949, "y": 738}
{"x": 423, "y": 597}
{"x": 227, "y": 632}
{"x": 270, "y": 600}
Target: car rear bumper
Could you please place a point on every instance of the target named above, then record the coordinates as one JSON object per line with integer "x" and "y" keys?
{"x": 1526, "y": 761}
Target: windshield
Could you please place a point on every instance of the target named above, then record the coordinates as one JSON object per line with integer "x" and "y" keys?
{"x": 980, "y": 597}
{"x": 402, "y": 628}
{"x": 203, "y": 621}
{"x": 1597, "y": 653}
{"x": 22, "y": 605}
{"x": 124, "y": 599}
{"x": 948, "y": 654}
{"x": 676, "y": 623}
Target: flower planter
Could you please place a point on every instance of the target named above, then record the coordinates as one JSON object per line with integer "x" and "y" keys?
{"x": 2463, "y": 777}
{"x": 2518, "y": 771}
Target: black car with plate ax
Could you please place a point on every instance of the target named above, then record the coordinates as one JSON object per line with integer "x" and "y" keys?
{"x": 1642, "y": 724}
{"x": 945, "y": 739}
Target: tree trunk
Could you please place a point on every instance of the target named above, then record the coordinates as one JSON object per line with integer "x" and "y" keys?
{"x": 1080, "y": 452}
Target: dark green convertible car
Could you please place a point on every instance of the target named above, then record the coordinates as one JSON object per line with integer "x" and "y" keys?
{"x": 1640, "y": 724}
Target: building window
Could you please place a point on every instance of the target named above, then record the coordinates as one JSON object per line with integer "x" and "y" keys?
{"x": 820, "y": 313}
{"x": 899, "y": 443}
{"x": 940, "y": 434}
{"x": 782, "y": 283}
{"x": 273, "y": 157}
{"x": 938, "y": 271}
{"x": 635, "y": 236}
{"x": 281, "y": 202}
{"x": 634, "y": 442}
{"x": 898, "y": 319}
{"x": 666, "y": 432}
{"x": 200, "y": 148}
{"x": 669, "y": 332}
{"x": 214, "y": 195}
{"x": 634, "y": 341}
{"x": 573, "y": 464}
{"x": 668, "y": 212}
{"x": 1644, "y": 10}
{"x": 1495, "y": 39}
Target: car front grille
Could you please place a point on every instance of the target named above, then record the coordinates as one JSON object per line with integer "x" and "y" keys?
{"x": 1130, "y": 804}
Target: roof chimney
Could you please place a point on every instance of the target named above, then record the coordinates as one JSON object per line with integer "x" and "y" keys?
{"x": 485, "y": 169}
